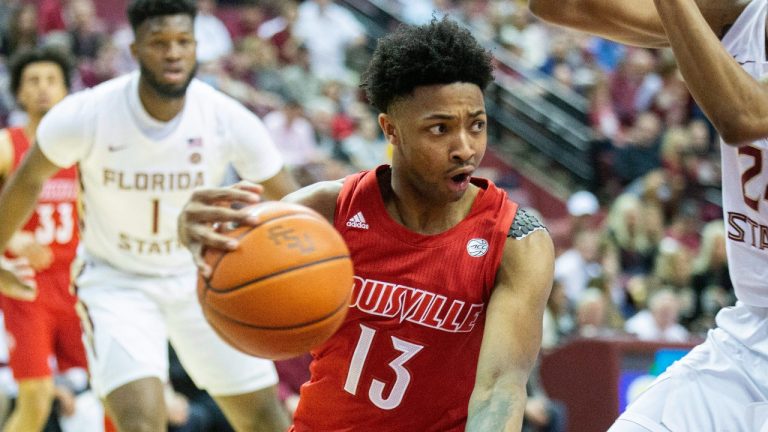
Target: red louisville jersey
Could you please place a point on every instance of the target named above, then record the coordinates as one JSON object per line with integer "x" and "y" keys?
{"x": 405, "y": 357}
{"x": 54, "y": 222}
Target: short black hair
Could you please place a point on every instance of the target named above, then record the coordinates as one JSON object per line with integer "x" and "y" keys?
{"x": 440, "y": 52}
{"x": 142, "y": 10}
{"x": 25, "y": 57}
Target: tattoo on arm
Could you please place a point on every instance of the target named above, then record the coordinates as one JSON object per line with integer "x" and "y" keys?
{"x": 495, "y": 413}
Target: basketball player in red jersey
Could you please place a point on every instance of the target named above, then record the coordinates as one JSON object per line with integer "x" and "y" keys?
{"x": 48, "y": 325}
{"x": 451, "y": 277}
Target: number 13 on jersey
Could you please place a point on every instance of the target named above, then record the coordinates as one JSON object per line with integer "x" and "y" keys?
{"x": 378, "y": 388}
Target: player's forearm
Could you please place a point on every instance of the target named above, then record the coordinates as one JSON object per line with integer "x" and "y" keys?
{"x": 735, "y": 102}
{"x": 631, "y": 22}
{"x": 500, "y": 408}
{"x": 17, "y": 201}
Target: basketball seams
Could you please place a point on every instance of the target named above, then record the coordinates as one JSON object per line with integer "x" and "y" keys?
{"x": 242, "y": 313}
{"x": 275, "y": 274}
{"x": 240, "y": 236}
{"x": 331, "y": 314}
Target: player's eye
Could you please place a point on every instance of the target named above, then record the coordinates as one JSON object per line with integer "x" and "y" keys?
{"x": 438, "y": 129}
{"x": 478, "y": 126}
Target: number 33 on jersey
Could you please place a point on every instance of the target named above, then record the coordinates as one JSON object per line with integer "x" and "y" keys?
{"x": 54, "y": 222}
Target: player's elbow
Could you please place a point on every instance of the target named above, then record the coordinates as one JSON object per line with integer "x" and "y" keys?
{"x": 740, "y": 131}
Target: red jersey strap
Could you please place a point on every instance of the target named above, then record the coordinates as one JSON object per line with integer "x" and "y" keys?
{"x": 346, "y": 195}
{"x": 20, "y": 144}
{"x": 506, "y": 210}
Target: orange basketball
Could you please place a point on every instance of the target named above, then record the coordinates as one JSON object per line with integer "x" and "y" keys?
{"x": 285, "y": 289}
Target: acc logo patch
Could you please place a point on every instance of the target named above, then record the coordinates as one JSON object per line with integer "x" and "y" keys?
{"x": 477, "y": 247}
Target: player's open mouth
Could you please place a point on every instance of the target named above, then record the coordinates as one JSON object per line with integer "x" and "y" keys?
{"x": 460, "y": 178}
{"x": 459, "y": 182}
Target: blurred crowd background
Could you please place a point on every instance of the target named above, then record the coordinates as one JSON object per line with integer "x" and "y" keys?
{"x": 640, "y": 237}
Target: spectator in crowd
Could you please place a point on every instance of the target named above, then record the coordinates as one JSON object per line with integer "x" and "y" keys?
{"x": 660, "y": 322}
{"x": 86, "y": 31}
{"x": 293, "y": 134}
{"x": 603, "y": 117}
{"x": 104, "y": 67}
{"x": 279, "y": 31}
{"x": 51, "y": 14}
{"x": 577, "y": 266}
{"x": 672, "y": 270}
{"x": 366, "y": 148}
{"x": 639, "y": 153}
{"x": 711, "y": 280}
{"x": 591, "y": 314}
{"x": 628, "y": 238}
{"x": 582, "y": 207}
{"x": 213, "y": 39}
{"x": 298, "y": 80}
{"x": 627, "y": 81}
{"x": 22, "y": 32}
{"x": 6, "y": 8}
{"x": 328, "y": 30}
{"x": 523, "y": 35}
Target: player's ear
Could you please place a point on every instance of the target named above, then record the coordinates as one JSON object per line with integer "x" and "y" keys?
{"x": 389, "y": 129}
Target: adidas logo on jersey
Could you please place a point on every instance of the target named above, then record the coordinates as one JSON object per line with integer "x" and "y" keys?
{"x": 357, "y": 221}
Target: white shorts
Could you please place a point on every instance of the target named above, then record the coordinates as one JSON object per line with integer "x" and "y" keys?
{"x": 128, "y": 320}
{"x": 720, "y": 386}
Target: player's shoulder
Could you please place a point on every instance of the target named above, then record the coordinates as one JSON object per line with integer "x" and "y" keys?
{"x": 214, "y": 101}
{"x": 320, "y": 196}
{"x": 524, "y": 224}
{"x": 116, "y": 88}
{"x": 529, "y": 245}
{"x": 201, "y": 90}
{"x": 90, "y": 101}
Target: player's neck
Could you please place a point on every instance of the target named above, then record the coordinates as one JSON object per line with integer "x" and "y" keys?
{"x": 30, "y": 129}
{"x": 413, "y": 211}
{"x": 161, "y": 108}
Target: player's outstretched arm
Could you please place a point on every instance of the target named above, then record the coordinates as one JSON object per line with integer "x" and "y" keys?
{"x": 512, "y": 334}
{"x": 736, "y": 103}
{"x": 632, "y": 22}
{"x": 18, "y": 199}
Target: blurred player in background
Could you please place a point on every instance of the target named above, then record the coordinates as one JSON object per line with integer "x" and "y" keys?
{"x": 720, "y": 46}
{"x": 143, "y": 142}
{"x": 451, "y": 277}
{"x": 47, "y": 326}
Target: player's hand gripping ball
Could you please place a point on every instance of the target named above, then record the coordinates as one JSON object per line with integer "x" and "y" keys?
{"x": 285, "y": 290}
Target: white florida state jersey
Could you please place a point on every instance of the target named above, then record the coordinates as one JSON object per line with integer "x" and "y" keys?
{"x": 745, "y": 172}
{"x": 137, "y": 173}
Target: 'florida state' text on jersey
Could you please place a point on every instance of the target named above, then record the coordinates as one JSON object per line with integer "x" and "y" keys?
{"x": 406, "y": 355}
{"x": 745, "y": 172}
{"x": 54, "y": 222}
{"x": 137, "y": 173}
